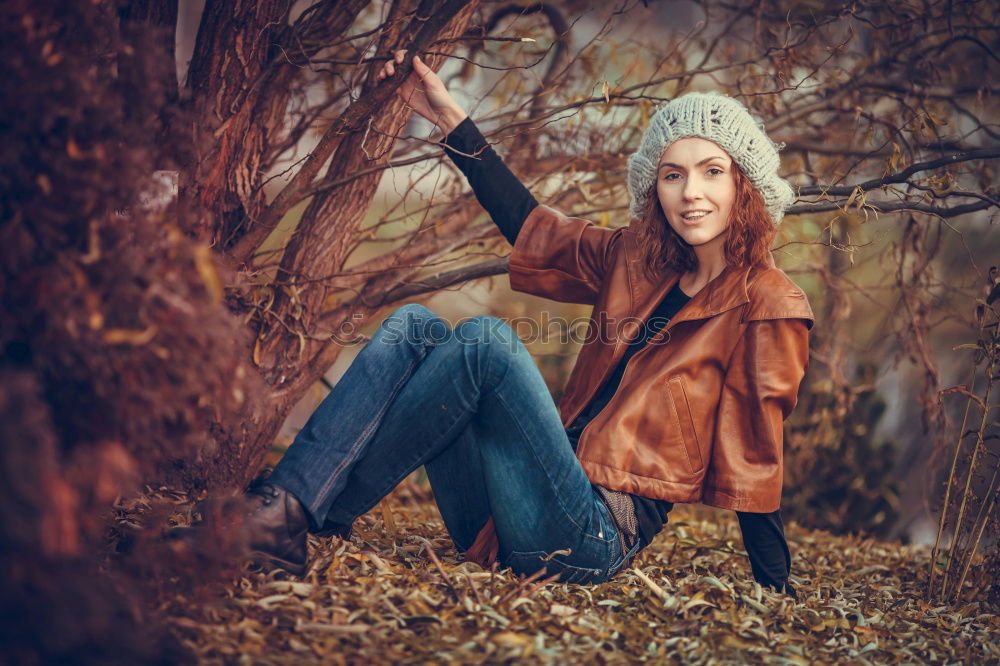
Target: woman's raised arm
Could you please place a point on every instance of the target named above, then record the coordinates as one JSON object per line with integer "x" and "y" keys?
{"x": 498, "y": 190}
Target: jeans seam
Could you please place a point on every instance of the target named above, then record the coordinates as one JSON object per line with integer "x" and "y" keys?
{"x": 572, "y": 568}
{"x": 618, "y": 566}
{"x": 391, "y": 486}
{"x": 358, "y": 445}
{"x": 545, "y": 470}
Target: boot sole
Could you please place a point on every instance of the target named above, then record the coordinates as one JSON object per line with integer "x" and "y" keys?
{"x": 269, "y": 562}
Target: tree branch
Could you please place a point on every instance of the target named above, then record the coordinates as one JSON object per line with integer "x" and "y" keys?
{"x": 446, "y": 279}
{"x": 902, "y": 176}
{"x": 350, "y": 121}
{"x": 891, "y": 207}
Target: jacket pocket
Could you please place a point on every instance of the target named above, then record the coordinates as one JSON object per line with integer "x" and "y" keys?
{"x": 685, "y": 423}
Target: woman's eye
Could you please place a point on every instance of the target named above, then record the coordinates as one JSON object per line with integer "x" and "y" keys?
{"x": 716, "y": 171}
{"x": 671, "y": 176}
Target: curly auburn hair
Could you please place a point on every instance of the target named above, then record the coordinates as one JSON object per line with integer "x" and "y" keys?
{"x": 750, "y": 233}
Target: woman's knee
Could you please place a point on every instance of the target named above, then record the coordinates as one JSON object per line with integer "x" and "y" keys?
{"x": 488, "y": 331}
{"x": 416, "y": 323}
{"x": 413, "y": 311}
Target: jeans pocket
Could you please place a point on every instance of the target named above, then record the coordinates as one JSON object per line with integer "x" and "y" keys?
{"x": 621, "y": 561}
{"x": 528, "y": 563}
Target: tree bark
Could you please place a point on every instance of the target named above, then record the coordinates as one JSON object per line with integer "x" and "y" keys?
{"x": 296, "y": 336}
{"x": 234, "y": 128}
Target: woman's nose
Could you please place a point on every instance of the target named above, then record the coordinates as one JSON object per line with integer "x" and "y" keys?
{"x": 692, "y": 189}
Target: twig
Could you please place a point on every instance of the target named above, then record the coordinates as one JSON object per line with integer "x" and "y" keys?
{"x": 545, "y": 581}
{"x": 649, "y": 581}
{"x": 475, "y": 590}
{"x": 989, "y": 502}
{"x": 990, "y": 369}
{"x": 437, "y": 563}
{"x": 947, "y": 490}
{"x": 524, "y": 583}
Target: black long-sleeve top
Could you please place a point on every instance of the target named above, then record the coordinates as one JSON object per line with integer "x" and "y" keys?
{"x": 509, "y": 202}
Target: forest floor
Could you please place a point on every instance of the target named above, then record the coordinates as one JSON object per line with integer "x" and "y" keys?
{"x": 382, "y": 597}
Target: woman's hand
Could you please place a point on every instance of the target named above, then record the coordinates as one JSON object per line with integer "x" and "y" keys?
{"x": 425, "y": 93}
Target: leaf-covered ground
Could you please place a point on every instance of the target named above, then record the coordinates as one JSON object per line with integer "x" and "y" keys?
{"x": 398, "y": 592}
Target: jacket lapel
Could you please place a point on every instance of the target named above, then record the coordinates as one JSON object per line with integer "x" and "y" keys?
{"x": 726, "y": 291}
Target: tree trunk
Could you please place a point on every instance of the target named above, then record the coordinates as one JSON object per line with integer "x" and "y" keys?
{"x": 295, "y": 335}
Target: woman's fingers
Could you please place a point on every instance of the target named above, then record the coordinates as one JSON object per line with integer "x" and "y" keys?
{"x": 389, "y": 68}
{"x": 420, "y": 67}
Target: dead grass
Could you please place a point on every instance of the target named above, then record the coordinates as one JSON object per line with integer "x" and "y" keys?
{"x": 381, "y": 598}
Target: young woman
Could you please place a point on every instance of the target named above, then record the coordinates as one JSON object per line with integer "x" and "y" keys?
{"x": 693, "y": 360}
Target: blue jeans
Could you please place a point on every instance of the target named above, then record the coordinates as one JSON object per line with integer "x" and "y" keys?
{"x": 470, "y": 405}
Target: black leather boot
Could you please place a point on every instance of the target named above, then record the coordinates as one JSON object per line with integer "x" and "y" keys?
{"x": 275, "y": 528}
{"x": 272, "y": 525}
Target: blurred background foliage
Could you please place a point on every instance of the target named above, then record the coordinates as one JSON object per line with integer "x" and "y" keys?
{"x": 839, "y": 474}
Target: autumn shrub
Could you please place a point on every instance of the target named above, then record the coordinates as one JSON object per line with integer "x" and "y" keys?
{"x": 119, "y": 362}
{"x": 838, "y": 475}
{"x": 966, "y": 554}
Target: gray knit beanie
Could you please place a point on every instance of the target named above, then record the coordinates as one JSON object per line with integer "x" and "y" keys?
{"x": 725, "y": 121}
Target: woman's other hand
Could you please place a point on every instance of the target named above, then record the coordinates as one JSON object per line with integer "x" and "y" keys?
{"x": 425, "y": 93}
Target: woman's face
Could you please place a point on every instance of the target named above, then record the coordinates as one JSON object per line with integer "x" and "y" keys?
{"x": 696, "y": 186}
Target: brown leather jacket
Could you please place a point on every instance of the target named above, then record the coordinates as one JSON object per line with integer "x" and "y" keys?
{"x": 698, "y": 414}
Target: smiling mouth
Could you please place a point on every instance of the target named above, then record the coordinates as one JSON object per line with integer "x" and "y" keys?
{"x": 691, "y": 221}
